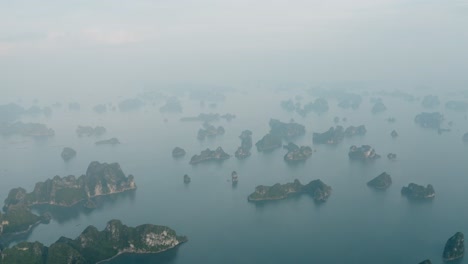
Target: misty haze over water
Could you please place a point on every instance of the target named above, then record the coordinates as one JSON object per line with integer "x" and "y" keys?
{"x": 76, "y": 64}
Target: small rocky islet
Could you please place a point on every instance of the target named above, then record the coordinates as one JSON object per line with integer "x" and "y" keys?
{"x": 316, "y": 188}
{"x": 68, "y": 153}
{"x": 381, "y": 182}
{"x": 415, "y": 191}
{"x": 210, "y": 155}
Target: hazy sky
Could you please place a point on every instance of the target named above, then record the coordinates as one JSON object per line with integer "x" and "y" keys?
{"x": 112, "y": 44}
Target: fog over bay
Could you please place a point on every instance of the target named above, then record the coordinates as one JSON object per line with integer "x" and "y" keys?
{"x": 233, "y": 131}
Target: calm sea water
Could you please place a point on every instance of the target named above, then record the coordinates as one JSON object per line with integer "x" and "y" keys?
{"x": 356, "y": 225}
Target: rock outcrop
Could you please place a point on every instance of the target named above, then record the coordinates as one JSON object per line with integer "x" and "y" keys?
{"x": 316, "y": 188}
{"x": 94, "y": 246}
{"x": 111, "y": 141}
{"x": 100, "y": 179}
{"x": 429, "y": 120}
{"x": 68, "y": 153}
{"x": 210, "y": 155}
{"x": 187, "y": 179}
{"x": 415, "y": 191}
{"x": 394, "y": 134}
{"x": 172, "y": 105}
{"x": 382, "y": 182}
{"x": 210, "y": 131}
{"x": 246, "y": 145}
{"x": 455, "y": 247}
{"x": 286, "y": 130}
{"x": 269, "y": 142}
{"x": 178, "y": 152}
{"x": 365, "y": 152}
{"x": 378, "y": 107}
{"x": 296, "y": 153}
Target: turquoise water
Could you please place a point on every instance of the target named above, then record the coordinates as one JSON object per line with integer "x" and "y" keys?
{"x": 356, "y": 225}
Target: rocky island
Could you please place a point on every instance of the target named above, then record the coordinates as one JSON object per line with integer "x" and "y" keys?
{"x": 378, "y": 107}
{"x": 178, "y": 152}
{"x": 210, "y": 131}
{"x": 94, "y": 246}
{"x": 130, "y": 104}
{"x": 187, "y": 179}
{"x": 365, "y": 152}
{"x": 111, "y": 141}
{"x": 90, "y": 131}
{"x": 391, "y": 156}
{"x": 381, "y": 182}
{"x": 335, "y": 135}
{"x": 26, "y": 129}
{"x": 296, "y": 153}
{"x": 430, "y": 101}
{"x": 461, "y": 106}
{"x": 100, "y": 179}
{"x": 210, "y": 155}
{"x": 68, "y": 153}
{"x": 429, "y": 120}
{"x": 269, "y": 142}
{"x": 455, "y": 247}
{"x": 394, "y": 134}
{"x": 286, "y": 130}
{"x": 172, "y": 105}
{"x": 415, "y": 191}
{"x": 316, "y": 188}
{"x": 246, "y": 145}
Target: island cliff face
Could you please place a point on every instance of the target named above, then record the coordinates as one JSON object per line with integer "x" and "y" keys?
{"x": 210, "y": 131}
{"x": 382, "y": 182}
{"x": 210, "y": 155}
{"x": 94, "y": 246}
{"x": 100, "y": 179}
{"x": 316, "y": 188}
{"x": 268, "y": 143}
{"x": 365, "y": 152}
{"x": 246, "y": 145}
{"x": 455, "y": 247}
{"x": 415, "y": 191}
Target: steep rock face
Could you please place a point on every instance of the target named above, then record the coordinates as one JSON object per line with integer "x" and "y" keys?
{"x": 100, "y": 179}
{"x": 68, "y": 153}
{"x": 268, "y": 142}
{"x": 416, "y": 191}
{"x": 383, "y": 181}
{"x": 210, "y": 155}
{"x": 94, "y": 246}
{"x": 246, "y": 145}
{"x": 317, "y": 189}
{"x": 365, "y": 152}
{"x": 455, "y": 247}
